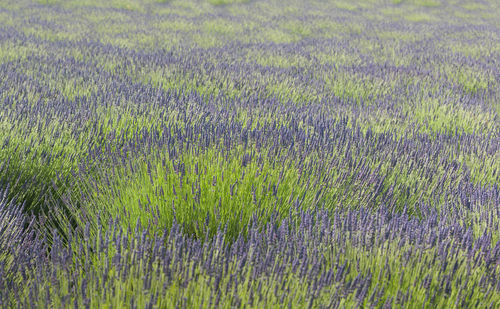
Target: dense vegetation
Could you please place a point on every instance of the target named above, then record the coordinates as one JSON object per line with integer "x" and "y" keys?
{"x": 256, "y": 154}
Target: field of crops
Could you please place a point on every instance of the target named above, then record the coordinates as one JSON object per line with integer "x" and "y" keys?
{"x": 249, "y": 154}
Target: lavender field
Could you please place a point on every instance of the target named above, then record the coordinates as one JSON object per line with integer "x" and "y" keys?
{"x": 249, "y": 154}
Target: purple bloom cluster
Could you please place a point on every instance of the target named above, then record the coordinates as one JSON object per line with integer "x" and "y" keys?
{"x": 309, "y": 258}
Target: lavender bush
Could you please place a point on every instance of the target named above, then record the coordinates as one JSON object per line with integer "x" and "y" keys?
{"x": 220, "y": 154}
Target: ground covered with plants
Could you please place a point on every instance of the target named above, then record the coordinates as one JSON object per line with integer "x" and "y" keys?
{"x": 249, "y": 154}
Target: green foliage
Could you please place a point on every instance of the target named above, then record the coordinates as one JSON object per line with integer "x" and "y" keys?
{"x": 225, "y": 2}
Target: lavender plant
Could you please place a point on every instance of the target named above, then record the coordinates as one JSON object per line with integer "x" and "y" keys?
{"x": 309, "y": 259}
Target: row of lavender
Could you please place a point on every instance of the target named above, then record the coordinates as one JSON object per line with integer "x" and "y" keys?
{"x": 308, "y": 259}
{"x": 358, "y": 154}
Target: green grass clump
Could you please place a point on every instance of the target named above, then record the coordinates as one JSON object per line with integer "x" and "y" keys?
{"x": 201, "y": 190}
